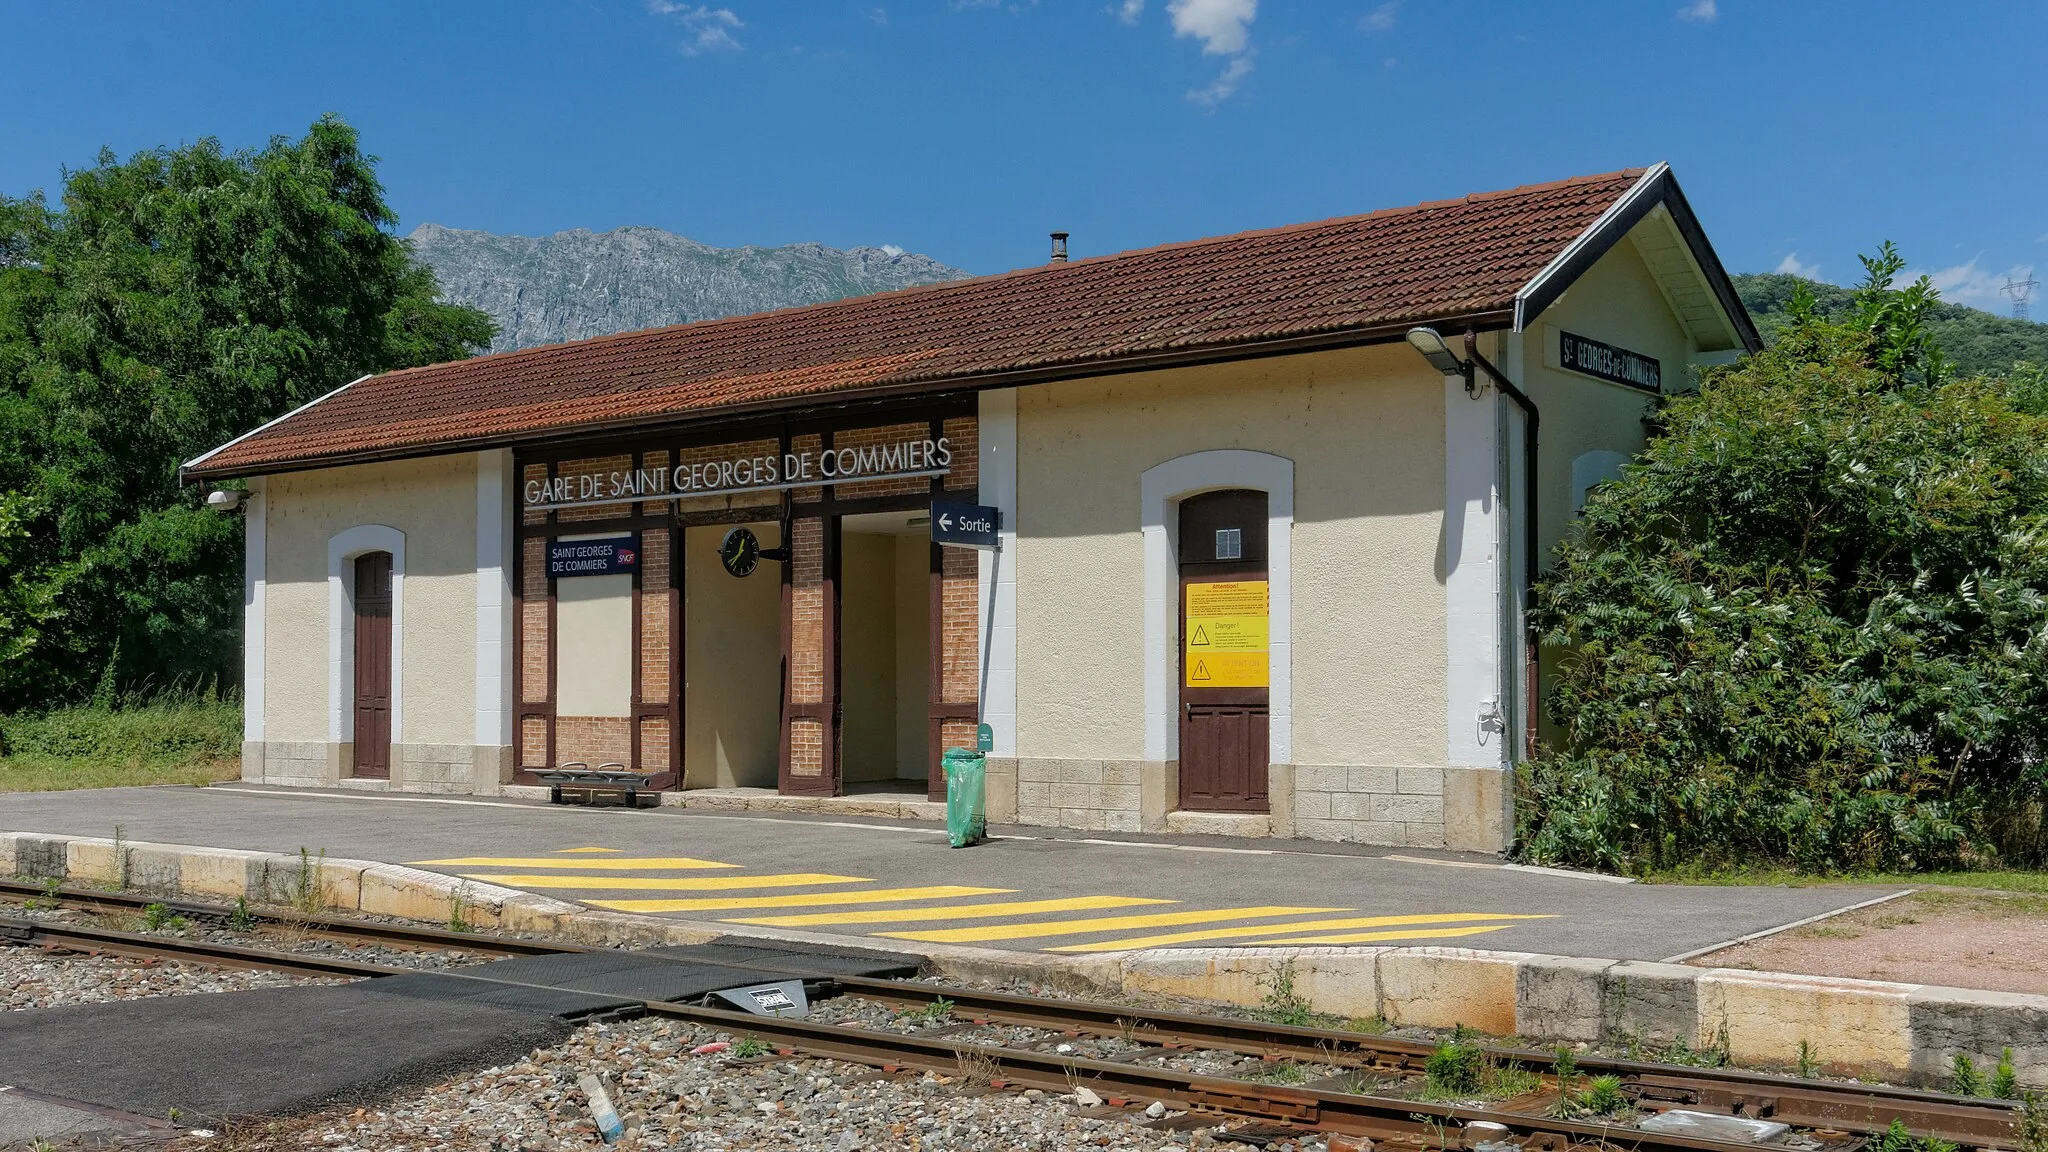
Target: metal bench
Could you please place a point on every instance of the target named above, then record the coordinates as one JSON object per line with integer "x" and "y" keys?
{"x": 579, "y": 780}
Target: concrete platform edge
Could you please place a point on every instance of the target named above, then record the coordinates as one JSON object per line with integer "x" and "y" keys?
{"x": 1902, "y": 1032}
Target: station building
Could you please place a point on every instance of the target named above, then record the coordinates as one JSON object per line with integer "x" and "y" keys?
{"x": 1263, "y": 557}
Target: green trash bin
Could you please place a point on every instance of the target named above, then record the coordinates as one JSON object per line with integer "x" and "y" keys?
{"x": 966, "y": 797}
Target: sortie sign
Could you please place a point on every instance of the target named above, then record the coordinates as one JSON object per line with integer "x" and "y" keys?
{"x": 764, "y": 473}
{"x": 965, "y": 525}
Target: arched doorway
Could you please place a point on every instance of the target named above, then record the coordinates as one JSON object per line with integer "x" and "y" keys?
{"x": 1225, "y": 641}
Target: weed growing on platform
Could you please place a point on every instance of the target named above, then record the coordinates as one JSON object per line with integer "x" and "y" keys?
{"x": 47, "y": 902}
{"x": 1453, "y": 1071}
{"x": 240, "y": 920}
{"x": 1285, "y": 1072}
{"x": 1565, "y": 1067}
{"x": 2032, "y": 1126}
{"x": 458, "y": 910}
{"x": 119, "y": 882}
{"x": 1807, "y": 1066}
{"x": 977, "y": 1066}
{"x": 1897, "y": 1139}
{"x": 935, "y": 1011}
{"x": 1714, "y": 1055}
{"x": 1282, "y": 1004}
{"x": 306, "y": 898}
{"x": 749, "y": 1047}
{"x": 1965, "y": 1080}
{"x": 160, "y": 918}
{"x": 1604, "y": 1097}
{"x": 2005, "y": 1079}
{"x": 1369, "y": 1025}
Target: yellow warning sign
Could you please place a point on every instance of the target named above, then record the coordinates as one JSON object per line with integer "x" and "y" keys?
{"x": 1227, "y": 635}
{"x": 1227, "y": 598}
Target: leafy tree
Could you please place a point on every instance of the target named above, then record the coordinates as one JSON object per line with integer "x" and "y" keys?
{"x": 168, "y": 303}
{"x": 1980, "y": 343}
{"x": 1807, "y": 624}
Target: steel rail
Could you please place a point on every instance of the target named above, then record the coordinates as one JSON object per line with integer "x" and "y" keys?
{"x": 1323, "y": 1110}
{"x": 103, "y": 940}
{"x": 1862, "y": 1108}
{"x": 1858, "y": 1108}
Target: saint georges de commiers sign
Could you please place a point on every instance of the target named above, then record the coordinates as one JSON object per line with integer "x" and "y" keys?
{"x": 773, "y": 472}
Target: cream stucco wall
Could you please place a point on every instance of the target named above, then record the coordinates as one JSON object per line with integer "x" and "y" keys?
{"x": 732, "y": 665}
{"x": 433, "y": 502}
{"x": 1616, "y": 302}
{"x": 1364, "y": 429}
{"x": 594, "y": 653}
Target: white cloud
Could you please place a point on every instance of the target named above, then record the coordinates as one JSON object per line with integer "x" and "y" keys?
{"x": 1223, "y": 26}
{"x": 710, "y": 29}
{"x": 1972, "y": 284}
{"x": 1224, "y": 84}
{"x": 1379, "y": 19}
{"x": 1791, "y": 266}
{"x": 1129, "y": 10}
{"x": 1700, "y": 12}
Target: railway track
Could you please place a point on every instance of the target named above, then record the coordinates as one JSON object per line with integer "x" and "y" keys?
{"x": 1824, "y": 1116}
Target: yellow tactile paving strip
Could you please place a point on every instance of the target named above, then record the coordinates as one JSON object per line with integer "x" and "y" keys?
{"x": 593, "y": 874}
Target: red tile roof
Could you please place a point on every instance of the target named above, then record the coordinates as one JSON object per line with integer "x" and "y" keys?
{"x": 1360, "y": 275}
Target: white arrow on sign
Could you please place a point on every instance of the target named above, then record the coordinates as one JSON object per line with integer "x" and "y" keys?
{"x": 945, "y": 522}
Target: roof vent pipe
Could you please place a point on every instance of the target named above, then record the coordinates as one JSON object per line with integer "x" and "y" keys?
{"x": 1059, "y": 247}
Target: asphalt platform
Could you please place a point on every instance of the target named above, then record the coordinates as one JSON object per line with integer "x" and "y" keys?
{"x": 882, "y": 881}
{"x": 124, "y": 1068}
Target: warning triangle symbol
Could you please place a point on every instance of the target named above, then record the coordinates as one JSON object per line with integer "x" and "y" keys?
{"x": 1201, "y": 637}
{"x": 1201, "y": 671}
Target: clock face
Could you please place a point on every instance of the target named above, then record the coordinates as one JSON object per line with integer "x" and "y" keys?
{"x": 739, "y": 551}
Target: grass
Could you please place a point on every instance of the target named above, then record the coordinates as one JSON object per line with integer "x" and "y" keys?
{"x": 178, "y": 737}
{"x": 2030, "y": 882}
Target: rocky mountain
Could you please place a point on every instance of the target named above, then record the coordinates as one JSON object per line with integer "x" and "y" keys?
{"x": 546, "y": 289}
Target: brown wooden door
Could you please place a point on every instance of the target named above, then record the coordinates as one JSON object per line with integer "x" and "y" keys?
{"x": 373, "y": 666}
{"x": 1225, "y": 668}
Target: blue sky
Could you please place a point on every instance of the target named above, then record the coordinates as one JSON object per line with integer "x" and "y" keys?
{"x": 1803, "y": 132}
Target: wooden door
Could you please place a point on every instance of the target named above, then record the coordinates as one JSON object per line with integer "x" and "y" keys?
{"x": 373, "y": 666}
{"x": 1225, "y": 671}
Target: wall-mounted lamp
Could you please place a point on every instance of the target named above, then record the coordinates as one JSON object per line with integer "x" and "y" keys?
{"x": 1430, "y": 343}
{"x": 225, "y": 499}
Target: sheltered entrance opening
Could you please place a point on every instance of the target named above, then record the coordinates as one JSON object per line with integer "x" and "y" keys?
{"x": 885, "y": 651}
{"x": 731, "y": 666}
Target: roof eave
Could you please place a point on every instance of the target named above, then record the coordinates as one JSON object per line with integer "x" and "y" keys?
{"x": 1657, "y": 186}
{"x": 1478, "y": 320}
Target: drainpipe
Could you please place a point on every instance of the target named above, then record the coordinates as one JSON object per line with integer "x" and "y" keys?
{"x": 1531, "y": 422}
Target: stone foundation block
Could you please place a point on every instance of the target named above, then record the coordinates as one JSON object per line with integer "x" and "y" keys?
{"x": 155, "y": 870}
{"x": 1855, "y": 1027}
{"x": 408, "y": 893}
{"x": 1445, "y": 987}
{"x": 40, "y": 857}
{"x": 222, "y": 874}
{"x": 1948, "y": 1022}
{"x": 95, "y": 861}
{"x": 1559, "y": 997}
{"x": 1650, "y": 1003}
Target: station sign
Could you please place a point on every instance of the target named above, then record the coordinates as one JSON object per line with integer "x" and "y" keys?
{"x": 610, "y": 556}
{"x": 1607, "y": 362}
{"x": 732, "y": 475}
{"x": 966, "y": 525}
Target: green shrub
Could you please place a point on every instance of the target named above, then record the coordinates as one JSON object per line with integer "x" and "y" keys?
{"x": 1453, "y": 1071}
{"x": 1808, "y": 625}
{"x": 175, "y": 728}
